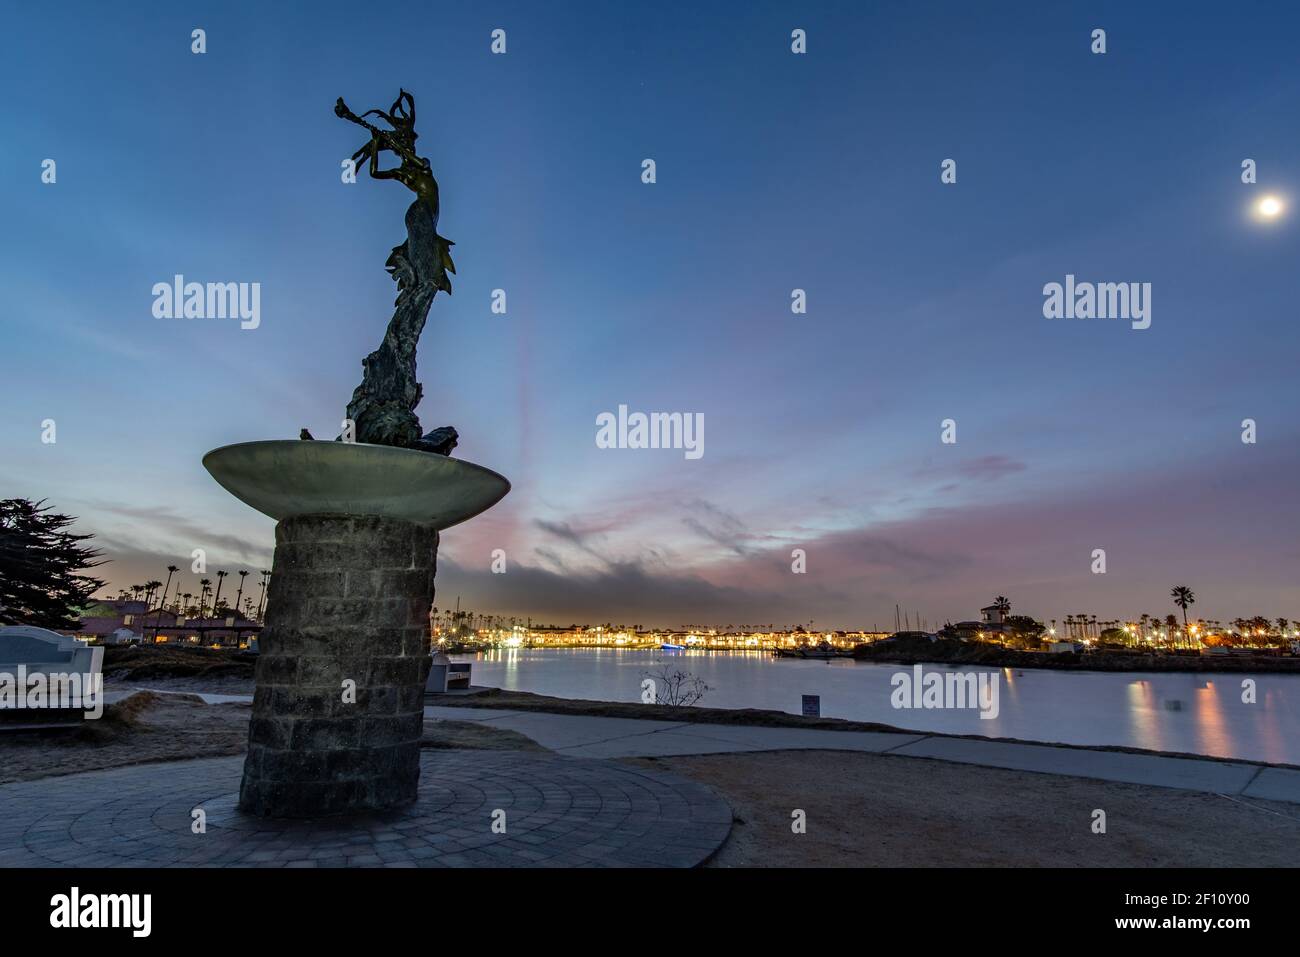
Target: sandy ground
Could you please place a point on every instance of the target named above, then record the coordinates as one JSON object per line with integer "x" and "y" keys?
{"x": 209, "y": 684}
{"x": 145, "y": 727}
{"x": 866, "y": 810}
{"x": 148, "y": 727}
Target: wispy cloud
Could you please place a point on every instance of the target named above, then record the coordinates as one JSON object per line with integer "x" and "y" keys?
{"x": 985, "y": 468}
{"x": 153, "y": 529}
{"x": 719, "y": 526}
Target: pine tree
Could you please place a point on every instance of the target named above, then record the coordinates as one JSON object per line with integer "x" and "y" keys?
{"x": 39, "y": 561}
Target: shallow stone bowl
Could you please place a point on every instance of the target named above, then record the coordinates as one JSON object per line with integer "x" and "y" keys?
{"x": 288, "y": 477}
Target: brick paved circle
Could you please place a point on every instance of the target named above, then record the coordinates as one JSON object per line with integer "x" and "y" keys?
{"x": 559, "y": 812}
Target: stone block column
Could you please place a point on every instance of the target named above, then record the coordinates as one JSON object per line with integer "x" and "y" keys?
{"x": 338, "y": 710}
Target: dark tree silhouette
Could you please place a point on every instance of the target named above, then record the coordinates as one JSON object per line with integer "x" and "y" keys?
{"x": 39, "y": 561}
{"x": 1183, "y": 596}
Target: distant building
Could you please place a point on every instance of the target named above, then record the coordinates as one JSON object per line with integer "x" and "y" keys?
{"x": 232, "y": 630}
{"x": 970, "y": 630}
{"x": 991, "y": 623}
{"x": 992, "y": 615}
{"x": 116, "y": 622}
{"x": 113, "y": 621}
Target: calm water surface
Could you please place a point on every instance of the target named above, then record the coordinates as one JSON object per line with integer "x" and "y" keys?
{"x": 1194, "y": 713}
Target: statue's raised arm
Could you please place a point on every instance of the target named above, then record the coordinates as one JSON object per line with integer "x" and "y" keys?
{"x": 383, "y": 405}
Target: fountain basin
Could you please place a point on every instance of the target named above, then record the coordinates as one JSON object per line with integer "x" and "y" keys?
{"x": 286, "y": 478}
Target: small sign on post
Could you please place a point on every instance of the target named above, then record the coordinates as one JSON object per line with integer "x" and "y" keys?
{"x": 812, "y": 706}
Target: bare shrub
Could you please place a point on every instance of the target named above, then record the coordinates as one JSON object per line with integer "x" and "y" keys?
{"x": 676, "y": 688}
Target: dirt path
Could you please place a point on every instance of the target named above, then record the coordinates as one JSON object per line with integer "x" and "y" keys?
{"x": 867, "y": 810}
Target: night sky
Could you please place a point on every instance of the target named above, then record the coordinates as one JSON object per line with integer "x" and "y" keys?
{"x": 775, "y": 171}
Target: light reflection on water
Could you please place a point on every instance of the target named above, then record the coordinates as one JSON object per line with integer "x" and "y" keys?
{"x": 1197, "y": 713}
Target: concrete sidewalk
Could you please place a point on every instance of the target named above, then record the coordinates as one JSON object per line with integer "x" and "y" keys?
{"x": 597, "y": 737}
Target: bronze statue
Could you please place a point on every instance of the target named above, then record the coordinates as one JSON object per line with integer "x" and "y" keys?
{"x": 383, "y": 404}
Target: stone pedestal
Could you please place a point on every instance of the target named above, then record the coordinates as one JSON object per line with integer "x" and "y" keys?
{"x": 339, "y": 706}
{"x": 338, "y": 711}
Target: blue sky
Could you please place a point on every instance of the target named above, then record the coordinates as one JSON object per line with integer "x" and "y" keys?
{"x": 775, "y": 172}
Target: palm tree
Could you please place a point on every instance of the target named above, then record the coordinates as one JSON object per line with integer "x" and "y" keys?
{"x": 206, "y": 584}
{"x": 185, "y": 606}
{"x": 261, "y": 601}
{"x": 1171, "y": 627}
{"x": 171, "y": 570}
{"x": 1002, "y": 604}
{"x": 240, "y": 594}
{"x": 1183, "y": 597}
{"x": 216, "y": 598}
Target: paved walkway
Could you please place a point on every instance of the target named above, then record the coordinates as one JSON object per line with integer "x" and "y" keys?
{"x": 556, "y": 812}
{"x": 597, "y": 737}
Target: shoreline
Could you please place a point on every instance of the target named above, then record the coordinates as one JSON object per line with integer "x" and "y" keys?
{"x": 939, "y": 653}
{"x": 987, "y": 656}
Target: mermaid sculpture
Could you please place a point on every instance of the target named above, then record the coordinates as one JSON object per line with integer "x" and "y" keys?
{"x": 383, "y": 405}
